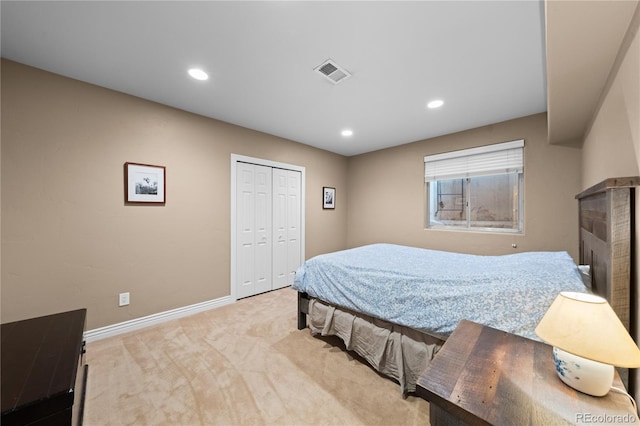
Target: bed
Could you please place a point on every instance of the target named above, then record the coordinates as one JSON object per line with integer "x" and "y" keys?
{"x": 395, "y": 305}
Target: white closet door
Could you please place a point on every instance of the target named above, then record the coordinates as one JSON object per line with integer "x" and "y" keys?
{"x": 286, "y": 226}
{"x": 294, "y": 219}
{"x": 279, "y": 228}
{"x": 253, "y": 223}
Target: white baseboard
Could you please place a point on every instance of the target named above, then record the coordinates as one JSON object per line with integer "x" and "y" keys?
{"x": 138, "y": 323}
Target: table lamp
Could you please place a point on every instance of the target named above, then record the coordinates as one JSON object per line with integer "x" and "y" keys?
{"x": 588, "y": 340}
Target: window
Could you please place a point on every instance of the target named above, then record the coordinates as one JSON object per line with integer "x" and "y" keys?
{"x": 478, "y": 189}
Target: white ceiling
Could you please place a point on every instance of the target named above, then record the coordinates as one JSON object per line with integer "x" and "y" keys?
{"x": 484, "y": 59}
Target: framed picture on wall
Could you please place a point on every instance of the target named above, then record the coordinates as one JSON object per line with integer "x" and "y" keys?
{"x": 144, "y": 183}
{"x": 328, "y": 198}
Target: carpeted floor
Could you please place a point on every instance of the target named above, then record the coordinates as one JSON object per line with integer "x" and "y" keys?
{"x": 242, "y": 364}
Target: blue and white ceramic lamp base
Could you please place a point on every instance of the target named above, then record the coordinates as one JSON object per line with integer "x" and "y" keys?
{"x": 590, "y": 377}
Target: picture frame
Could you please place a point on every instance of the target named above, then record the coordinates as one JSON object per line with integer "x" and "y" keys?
{"x": 145, "y": 183}
{"x": 328, "y": 197}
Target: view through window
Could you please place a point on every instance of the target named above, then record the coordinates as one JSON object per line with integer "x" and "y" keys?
{"x": 479, "y": 189}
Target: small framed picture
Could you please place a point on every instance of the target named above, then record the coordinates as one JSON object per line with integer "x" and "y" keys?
{"x": 144, "y": 183}
{"x": 328, "y": 198}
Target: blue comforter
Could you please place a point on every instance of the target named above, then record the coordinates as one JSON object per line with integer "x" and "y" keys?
{"x": 432, "y": 290}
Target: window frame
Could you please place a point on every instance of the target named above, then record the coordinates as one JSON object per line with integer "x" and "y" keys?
{"x": 457, "y": 167}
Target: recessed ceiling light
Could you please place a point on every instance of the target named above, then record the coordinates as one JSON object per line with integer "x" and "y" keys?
{"x": 347, "y": 132}
{"x": 435, "y": 104}
{"x": 198, "y": 74}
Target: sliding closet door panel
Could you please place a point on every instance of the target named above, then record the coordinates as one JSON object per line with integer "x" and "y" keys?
{"x": 245, "y": 229}
{"x": 286, "y": 226}
{"x": 294, "y": 219}
{"x": 280, "y": 249}
{"x": 263, "y": 229}
{"x": 253, "y": 233}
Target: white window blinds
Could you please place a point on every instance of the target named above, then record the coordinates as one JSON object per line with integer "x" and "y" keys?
{"x": 494, "y": 159}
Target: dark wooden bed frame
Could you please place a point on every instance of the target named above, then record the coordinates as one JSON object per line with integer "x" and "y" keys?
{"x": 607, "y": 213}
{"x": 607, "y": 228}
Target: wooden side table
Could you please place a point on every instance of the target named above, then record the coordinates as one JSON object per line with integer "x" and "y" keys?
{"x": 43, "y": 373}
{"x": 484, "y": 376}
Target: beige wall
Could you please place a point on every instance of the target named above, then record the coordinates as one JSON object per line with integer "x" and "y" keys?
{"x": 68, "y": 239}
{"x": 612, "y": 145}
{"x": 387, "y": 193}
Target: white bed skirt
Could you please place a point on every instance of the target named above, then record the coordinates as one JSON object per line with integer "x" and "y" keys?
{"x": 398, "y": 352}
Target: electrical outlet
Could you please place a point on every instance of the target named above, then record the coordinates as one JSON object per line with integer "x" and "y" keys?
{"x": 123, "y": 299}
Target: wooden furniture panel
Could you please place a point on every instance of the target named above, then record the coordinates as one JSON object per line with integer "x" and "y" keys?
{"x": 484, "y": 376}
{"x": 41, "y": 358}
{"x": 606, "y": 238}
{"x": 607, "y": 218}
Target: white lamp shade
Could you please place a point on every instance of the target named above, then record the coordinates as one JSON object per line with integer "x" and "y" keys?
{"x": 585, "y": 325}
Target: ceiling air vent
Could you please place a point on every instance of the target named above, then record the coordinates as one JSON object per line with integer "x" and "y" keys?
{"x": 332, "y": 71}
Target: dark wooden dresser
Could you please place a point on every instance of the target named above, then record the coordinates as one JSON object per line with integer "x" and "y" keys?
{"x": 483, "y": 376}
{"x": 43, "y": 371}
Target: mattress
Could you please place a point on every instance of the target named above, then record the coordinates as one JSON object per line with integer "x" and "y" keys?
{"x": 431, "y": 290}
